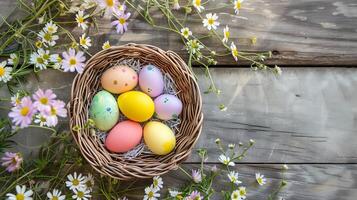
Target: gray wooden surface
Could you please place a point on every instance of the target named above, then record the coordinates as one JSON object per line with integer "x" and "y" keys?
{"x": 305, "y": 118}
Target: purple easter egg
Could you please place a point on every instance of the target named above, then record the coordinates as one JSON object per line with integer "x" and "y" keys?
{"x": 151, "y": 80}
{"x": 167, "y": 106}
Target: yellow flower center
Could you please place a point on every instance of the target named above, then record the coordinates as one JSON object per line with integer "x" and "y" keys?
{"x": 47, "y": 36}
{"x": 83, "y": 41}
{"x": 44, "y": 100}
{"x": 121, "y": 7}
{"x": 24, "y": 111}
{"x": 46, "y": 56}
{"x": 89, "y": 184}
{"x": 210, "y": 21}
{"x": 80, "y": 194}
{"x": 75, "y": 182}
{"x": 242, "y": 192}
{"x": 185, "y": 32}
{"x": 151, "y": 194}
{"x": 156, "y": 183}
{"x": 2, "y": 71}
{"x": 227, "y": 34}
{"x": 51, "y": 29}
{"x": 238, "y": 5}
{"x": 80, "y": 19}
{"x": 260, "y": 180}
{"x": 235, "y": 195}
{"x": 17, "y": 101}
{"x": 198, "y": 2}
{"x": 38, "y": 44}
{"x": 54, "y": 112}
{"x": 110, "y": 3}
{"x": 13, "y": 161}
{"x": 40, "y": 60}
{"x": 235, "y": 53}
{"x": 54, "y": 198}
{"x": 122, "y": 20}
{"x": 72, "y": 61}
{"x": 20, "y": 196}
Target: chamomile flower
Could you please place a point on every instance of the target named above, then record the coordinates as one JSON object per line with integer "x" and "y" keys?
{"x": 225, "y": 160}
{"x": 157, "y": 182}
{"x": 89, "y": 182}
{"x": 85, "y": 42}
{"x": 47, "y": 38}
{"x": 81, "y": 20}
{"x": 5, "y": 72}
{"x": 175, "y": 193}
{"x": 109, "y": 5}
{"x": 260, "y": 179}
{"x": 185, "y": 32}
{"x": 14, "y": 59}
{"x": 81, "y": 194}
{"x": 40, "y": 58}
{"x": 21, "y": 194}
{"x": 237, "y": 6}
{"x": 197, "y": 4}
{"x": 151, "y": 193}
{"x": 50, "y": 27}
{"x": 211, "y": 21}
{"x": 235, "y": 195}
{"x": 106, "y": 45}
{"x": 56, "y": 60}
{"x": 16, "y": 100}
{"x": 75, "y": 181}
{"x": 242, "y": 192}
{"x": 40, "y": 119}
{"x": 55, "y": 195}
{"x": 226, "y": 34}
{"x": 121, "y": 23}
{"x": 121, "y": 7}
{"x": 73, "y": 61}
{"x": 234, "y": 51}
{"x": 194, "y": 46}
{"x": 176, "y": 5}
{"x": 233, "y": 177}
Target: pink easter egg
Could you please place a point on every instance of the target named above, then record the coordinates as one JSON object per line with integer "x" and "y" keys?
{"x": 167, "y": 106}
{"x": 124, "y": 136}
{"x": 151, "y": 80}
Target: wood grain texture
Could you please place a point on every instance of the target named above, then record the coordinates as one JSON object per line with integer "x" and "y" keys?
{"x": 308, "y": 182}
{"x": 305, "y": 32}
{"x": 308, "y": 115}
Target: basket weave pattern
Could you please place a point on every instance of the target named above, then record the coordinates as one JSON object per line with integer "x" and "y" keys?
{"x": 146, "y": 165}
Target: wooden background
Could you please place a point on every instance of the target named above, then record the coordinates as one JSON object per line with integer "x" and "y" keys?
{"x": 306, "y": 118}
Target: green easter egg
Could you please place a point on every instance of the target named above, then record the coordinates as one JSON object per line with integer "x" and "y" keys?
{"x": 104, "y": 110}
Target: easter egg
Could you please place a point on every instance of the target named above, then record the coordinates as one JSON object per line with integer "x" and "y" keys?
{"x": 136, "y": 106}
{"x": 167, "y": 106}
{"x": 119, "y": 79}
{"x": 104, "y": 110}
{"x": 159, "y": 138}
{"x": 124, "y": 136}
{"x": 151, "y": 80}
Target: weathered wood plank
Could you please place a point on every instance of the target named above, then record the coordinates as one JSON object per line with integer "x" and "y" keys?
{"x": 307, "y": 115}
{"x": 320, "y": 32}
{"x": 308, "y": 182}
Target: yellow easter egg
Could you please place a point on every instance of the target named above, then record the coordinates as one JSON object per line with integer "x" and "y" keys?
{"x": 136, "y": 106}
{"x": 159, "y": 138}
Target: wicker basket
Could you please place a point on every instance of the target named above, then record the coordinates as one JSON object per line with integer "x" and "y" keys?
{"x": 145, "y": 165}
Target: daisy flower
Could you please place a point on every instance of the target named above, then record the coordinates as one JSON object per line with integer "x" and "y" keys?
{"x": 84, "y": 41}
{"x": 185, "y": 32}
{"x": 210, "y": 21}
{"x": 57, "y": 109}
{"x": 40, "y": 119}
{"x": 195, "y": 195}
{"x": 56, "y": 60}
{"x": 106, "y": 45}
{"x": 194, "y": 46}
{"x": 109, "y": 5}
{"x": 48, "y": 38}
{"x": 237, "y": 6}
{"x": 12, "y": 161}
{"x": 121, "y": 23}
{"x": 225, "y": 160}
{"x": 55, "y": 195}
{"x": 197, "y": 5}
{"x": 73, "y": 61}
{"x": 235, "y": 195}
{"x": 14, "y": 59}
{"x": 226, "y": 34}
{"x": 81, "y": 194}
{"x": 260, "y": 179}
{"x": 89, "y": 182}
{"x": 22, "y": 114}
{"x": 21, "y": 194}
{"x": 234, "y": 51}
{"x": 43, "y": 99}
{"x": 176, "y": 5}
{"x": 80, "y": 19}
{"x": 5, "y": 72}
{"x": 233, "y": 177}
{"x": 75, "y": 182}
{"x": 50, "y": 27}
{"x": 40, "y": 58}
{"x": 242, "y": 192}
{"x": 15, "y": 100}
{"x": 175, "y": 193}
{"x": 121, "y": 7}
{"x": 196, "y": 176}
{"x": 157, "y": 182}
{"x": 151, "y": 193}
